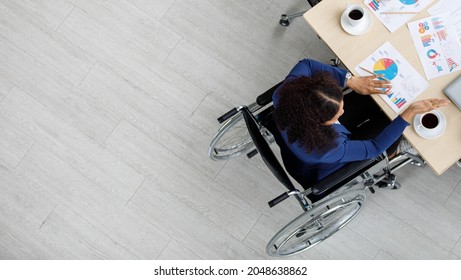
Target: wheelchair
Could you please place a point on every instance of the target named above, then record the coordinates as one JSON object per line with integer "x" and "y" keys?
{"x": 329, "y": 204}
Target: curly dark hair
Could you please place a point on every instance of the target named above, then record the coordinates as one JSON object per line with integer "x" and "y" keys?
{"x": 305, "y": 104}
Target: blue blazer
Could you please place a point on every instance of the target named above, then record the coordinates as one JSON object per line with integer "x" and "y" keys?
{"x": 308, "y": 168}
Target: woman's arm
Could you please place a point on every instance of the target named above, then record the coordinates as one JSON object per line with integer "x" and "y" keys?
{"x": 364, "y": 85}
{"x": 423, "y": 106}
{"x": 360, "y": 150}
{"x": 354, "y": 150}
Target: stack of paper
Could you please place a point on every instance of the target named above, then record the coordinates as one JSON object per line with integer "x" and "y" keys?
{"x": 395, "y": 13}
{"x": 437, "y": 45}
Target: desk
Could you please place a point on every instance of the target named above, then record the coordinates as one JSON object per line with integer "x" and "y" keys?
{"x": 324, "y": 18}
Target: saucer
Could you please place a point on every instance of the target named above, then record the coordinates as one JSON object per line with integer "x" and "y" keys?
{"x": 432, "y": 133}
{"x": 358, "y": 29}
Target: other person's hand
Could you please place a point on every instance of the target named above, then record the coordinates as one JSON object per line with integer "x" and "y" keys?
{"x": 369, "y": 84}
{"x": 422, "y": 106}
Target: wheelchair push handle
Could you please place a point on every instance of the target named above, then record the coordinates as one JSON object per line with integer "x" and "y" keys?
{"x": 278, "y": 199}
{"x": 227, "y": 115}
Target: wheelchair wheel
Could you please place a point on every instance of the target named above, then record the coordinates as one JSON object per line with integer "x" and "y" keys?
{"x": 317, "y": 224}
{"x": 231, "y": 140}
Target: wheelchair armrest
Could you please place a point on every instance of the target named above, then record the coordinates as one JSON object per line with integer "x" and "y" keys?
{"x": 342, "y": 176}
{"x": 266, "y": 97}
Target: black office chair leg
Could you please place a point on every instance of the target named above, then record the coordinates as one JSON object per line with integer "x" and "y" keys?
{"x": 285, "y": 19}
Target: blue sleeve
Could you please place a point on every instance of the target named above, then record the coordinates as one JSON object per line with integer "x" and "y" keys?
{"x": 355, "y": 150}
{"x": 308, "y": 67}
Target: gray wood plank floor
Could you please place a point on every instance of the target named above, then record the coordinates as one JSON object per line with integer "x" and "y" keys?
{"x": 107, "y": 109}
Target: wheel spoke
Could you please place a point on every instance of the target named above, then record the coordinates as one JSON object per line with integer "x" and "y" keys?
{"x": 231, "y": 140}
{"x": 326, "y": 219}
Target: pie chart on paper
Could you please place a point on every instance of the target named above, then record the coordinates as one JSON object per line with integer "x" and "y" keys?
{"x": 387, "y": 67}
{"x": 409, "y": 2}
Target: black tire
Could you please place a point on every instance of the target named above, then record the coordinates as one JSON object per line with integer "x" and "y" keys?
{"x": 317, "y": 224}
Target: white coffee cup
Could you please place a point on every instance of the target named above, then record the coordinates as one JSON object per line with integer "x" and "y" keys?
{"x": 429, "y": 121}
{"x": 355, "y": 14}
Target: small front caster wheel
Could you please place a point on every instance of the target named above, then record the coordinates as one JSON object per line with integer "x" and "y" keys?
{"x": 396, "y": 186}
{"x": 284, "y": 21}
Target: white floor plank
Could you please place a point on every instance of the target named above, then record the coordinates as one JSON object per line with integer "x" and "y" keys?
{"x": 14, "y": 144}
{"x": 122, "y": 233}
{"x": 66, "y": 231}
{"x": 98, "y": 165}
{"x": 231, "y": 40}
{"x": 457, "y": 249}
{"x": 54, "y": 92}
{"x": 130, "y": 22}
{"x": 187, "y": 226}
{"x": 176, "y": 251}
{"x": 26, "y": 201}
{"x": 60, "y": 55}
{"x": 171, "y": 175}
{"x": 50, "y": 13}
{"x": 422, "y": 213}
{"x": 394, "y": 236}
{"x": 5, "y": 87}
{"x": 136, "y": 65}
{"x": 437, "y": 188}
{"x": 176, "y": 133}
{"x": 154, "y": 8}
{"x": 213, "y": 76}
{"x": 382, "y": 255}
{"x": 24, "y": 208}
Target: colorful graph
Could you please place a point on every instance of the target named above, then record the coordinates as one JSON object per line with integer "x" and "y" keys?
{"x": 437, "y": 23}
{"x": 409, "y": 2}
{"x": 432, "y": 53}
{"x": 399, "y": 102}
{"x": 386, "y": 66}
{"x": 427, "y": 40}
{"x": 451, "y": 64}
{"x": 374, "y": 5}
{"x": 442, "y": 35}
{"x": 437, "y": 66}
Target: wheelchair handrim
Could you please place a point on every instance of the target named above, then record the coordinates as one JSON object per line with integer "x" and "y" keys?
{"x": 287, "y": 242}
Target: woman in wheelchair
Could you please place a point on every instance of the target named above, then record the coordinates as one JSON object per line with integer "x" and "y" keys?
{"x": 322, "y": 129}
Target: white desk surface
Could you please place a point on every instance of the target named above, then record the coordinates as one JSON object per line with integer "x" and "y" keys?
{"x": 440, "y": 153}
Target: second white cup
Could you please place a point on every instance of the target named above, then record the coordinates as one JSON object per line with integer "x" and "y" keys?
{"x": 355, "y": 14}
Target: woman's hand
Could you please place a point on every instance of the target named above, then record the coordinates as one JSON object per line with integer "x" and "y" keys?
{"x": 369, "y": 84}
{"x": 422, "y": 106}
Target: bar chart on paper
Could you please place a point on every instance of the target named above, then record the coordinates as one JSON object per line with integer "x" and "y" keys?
{"x": 388, "y": 11}
{"x": 375, "y": 5}
{"x": 406, "y": 82}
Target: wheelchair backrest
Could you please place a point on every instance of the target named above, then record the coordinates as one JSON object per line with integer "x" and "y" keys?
{"x": 265, "y": 151}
